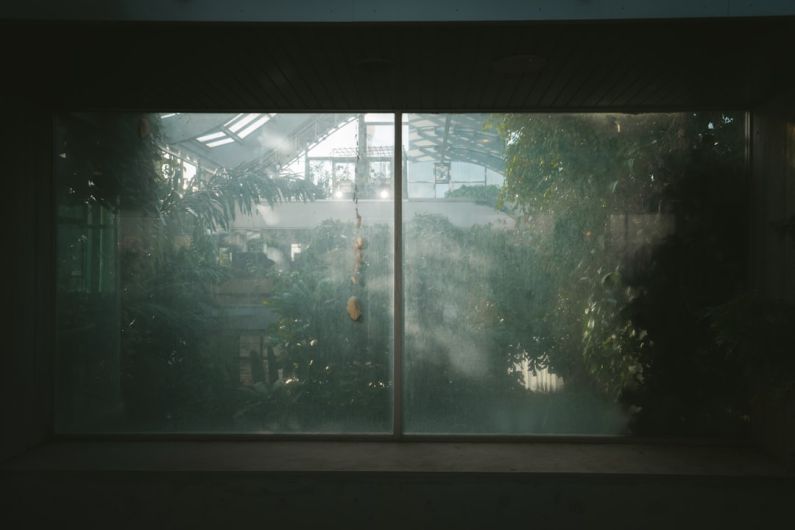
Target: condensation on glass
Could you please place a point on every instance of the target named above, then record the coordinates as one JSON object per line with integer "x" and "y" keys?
{"x": 225, "y": 272}
{"x": 562, "y": 273}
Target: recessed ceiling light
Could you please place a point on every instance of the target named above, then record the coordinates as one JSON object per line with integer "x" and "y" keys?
{"x": 519, "y": 64}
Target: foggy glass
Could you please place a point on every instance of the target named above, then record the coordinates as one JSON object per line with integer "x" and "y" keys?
{"x": 581, "y": 274}
{"x": 224, "y": 273}
{"x": 560, "y": 270}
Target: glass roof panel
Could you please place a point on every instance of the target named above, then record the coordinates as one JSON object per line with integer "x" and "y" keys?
{"x": 240, "y": 121}
{"x": 254, "y": 126}
{"x": 223, "y": 141}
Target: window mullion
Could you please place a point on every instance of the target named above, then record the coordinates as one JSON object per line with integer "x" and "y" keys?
{"x": 397, "y": 368}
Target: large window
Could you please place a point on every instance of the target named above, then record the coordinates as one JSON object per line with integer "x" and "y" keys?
{"x": 556, "y": 274}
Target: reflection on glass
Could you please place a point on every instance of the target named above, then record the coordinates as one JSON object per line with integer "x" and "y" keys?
{"x": 207, "y": 266}
{"x": 560, "y": 271}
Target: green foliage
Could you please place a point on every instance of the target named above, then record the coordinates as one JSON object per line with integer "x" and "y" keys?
{"x": 485, "y": 195}
{"x": 212, "y": 202}
{"x": 665, "y": 330}
{"x": 174, "y": 353}
{"x": 474, "y": 309}
{"x": 612, "y": 343}
{"x": 643, "y": 338}
{"x": 169, "y": 317}
{"x": 335, "y": 370}
{"x": 474, "y": 282}
{"x": 757, "y": 335}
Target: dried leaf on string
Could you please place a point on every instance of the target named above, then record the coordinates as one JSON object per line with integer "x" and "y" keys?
{"x": 354, "y": 308}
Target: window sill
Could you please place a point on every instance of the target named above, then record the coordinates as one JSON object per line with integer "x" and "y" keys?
{"x": 392, "y": 457}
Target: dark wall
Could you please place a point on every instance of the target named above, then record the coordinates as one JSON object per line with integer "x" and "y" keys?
{"x": 339, "y": 500}
{"x": 27, "y": 215}
{"x": 773, "y": 250}
{"x": 773, "y": 160}
{"x": 586, "y": 66}
{"x": 72, "y": 72}
{"x": 435, "y": 67}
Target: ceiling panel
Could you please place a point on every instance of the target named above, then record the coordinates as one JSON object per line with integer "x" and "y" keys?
{"x": 432, "y": 66}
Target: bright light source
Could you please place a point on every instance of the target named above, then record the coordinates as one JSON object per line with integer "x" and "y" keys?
{"x": 338, "y": 194}
{"x": 220, "y": 142}
{"x": 295, "y": 249}
{"x": 384, "y": 194}
{"x": 240, "y": 121}
{"x": 188, "y": 171}
{"x": 254, "y": 126}
{"x": 212, "y": 136}
{"x": 379, "y": 117}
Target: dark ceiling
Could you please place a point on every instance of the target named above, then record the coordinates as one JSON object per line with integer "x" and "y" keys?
{"x": 631, "y": 66}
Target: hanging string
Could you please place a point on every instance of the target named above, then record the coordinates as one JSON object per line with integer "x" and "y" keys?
{"x": 354, "y": 307}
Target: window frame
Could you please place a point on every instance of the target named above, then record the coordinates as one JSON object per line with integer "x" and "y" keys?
{"x": 398, "y": 433}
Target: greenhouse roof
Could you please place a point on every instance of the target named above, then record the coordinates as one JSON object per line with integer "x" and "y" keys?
{"x": 230, "y": 139}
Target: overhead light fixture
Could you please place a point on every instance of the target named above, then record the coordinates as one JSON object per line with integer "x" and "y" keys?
{"x": 384, "y": 194}
{"x": 518, "y": 64}
{"x": 338, "y": 194}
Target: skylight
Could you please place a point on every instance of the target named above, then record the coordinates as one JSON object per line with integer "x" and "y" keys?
{"x": 254, "y": 126}
{"x": 236, "y": 129}
{"x": 240, "y": 121}
{"x": 220, "y": 142}
{"x": 213, "y": 136}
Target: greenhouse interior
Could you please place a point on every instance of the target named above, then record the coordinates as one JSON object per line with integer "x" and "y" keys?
{"x": 562, "y": 274}
{"x": 450, "y": 264}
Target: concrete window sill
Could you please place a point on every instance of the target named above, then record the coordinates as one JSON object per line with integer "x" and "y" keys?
{"x": 393, "y": 457}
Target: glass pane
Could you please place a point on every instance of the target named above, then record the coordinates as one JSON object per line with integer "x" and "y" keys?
{"x": 224, "y": 273}
{"x": 565, "y": 274}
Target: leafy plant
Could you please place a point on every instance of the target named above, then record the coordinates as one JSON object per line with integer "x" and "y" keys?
{"x": 174, "y": 352}
{"x": 644, "y": 339}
